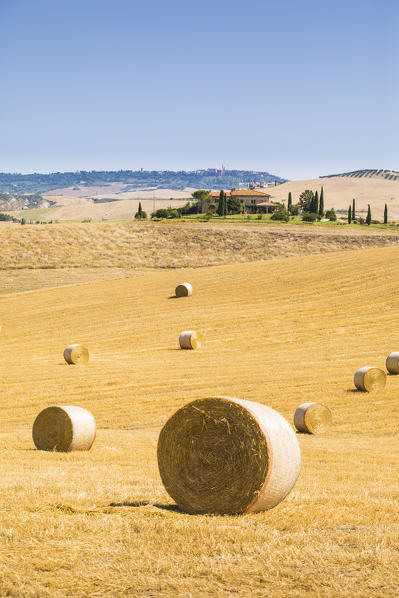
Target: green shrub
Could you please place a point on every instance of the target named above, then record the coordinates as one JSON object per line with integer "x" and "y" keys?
{"x": 166, "y": 213}
{"x": 294, "y": 209}
{"x": 331, "y": 215}
{"x": 280, "y": 213}
{"x": 309, "y": 217}
{"x": 191, "y": 207}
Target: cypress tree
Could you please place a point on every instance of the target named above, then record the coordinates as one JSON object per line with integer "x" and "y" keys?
{"x": 353, "y": 210}
{"x": 386, "y": 214}
{"x": 349, "y": 215}
{"x": 368, "y": 219}
{"x": 321, "y": 203}
{"x": 225, "y": 205}
{"x": 140, "y": 210}
{"x": 316, "y": 203}
{"x": 289, "y": 201}
{"x": 220, "y": 205}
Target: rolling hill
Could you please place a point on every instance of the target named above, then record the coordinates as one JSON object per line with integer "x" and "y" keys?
{"x": 339, "y": 191}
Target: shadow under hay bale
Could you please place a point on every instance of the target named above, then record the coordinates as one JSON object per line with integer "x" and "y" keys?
{"x": 312, "y": 418}
{"x": 370, "y": 379}
{"x": 190, "y": 339}
{"x": 184, "y": 290}
{"x": 223, "y": 455}
{"x": 63, "y": 429}
{"x": 76, "y": 355}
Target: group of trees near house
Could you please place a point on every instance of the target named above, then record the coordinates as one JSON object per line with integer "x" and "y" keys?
{"x": 226, "y": 205}
{"x": 352, "y": 214}
{"x": 311, "y": 203}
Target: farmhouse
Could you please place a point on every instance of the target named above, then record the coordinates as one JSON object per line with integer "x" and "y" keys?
{"x": 254, "y": 201}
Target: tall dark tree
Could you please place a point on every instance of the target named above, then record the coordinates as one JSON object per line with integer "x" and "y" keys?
{"x": 368, "y": 219}
{"x": 289, "y": 200}
{"x": 353, "y": 210}
{"x": 140, "y": 210}
{"x": 386, "y": 214}
{"x": 349, "y": 215}
{"x": 220, "y": 209}
{"x": 316, "y": 203}
{"x": 321, "y": 203}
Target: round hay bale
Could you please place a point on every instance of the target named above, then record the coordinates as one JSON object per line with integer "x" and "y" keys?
{"x": 190, "y": 339}
{"x": 312, "y": 418}
{"x": 370, "y": 379}
{"x": 392, "y": 363}
{"x": 76, "y": 354}
{"x": 225, "y": 455}
{"x": 64, "y": 428}
{"x": 184, "y": 289}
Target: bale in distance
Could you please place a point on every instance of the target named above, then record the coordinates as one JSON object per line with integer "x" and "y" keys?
{"x": 76, "y": 354}
{"x": 370, "y": 379}
{"x": 224, "y": 455}
{"x": 190, "y": 339}
{"x": 184, "y": 289}
{"x": 392, "y": 363}
{"x": 64, "y": 428}
{"x": 312, "y": 418}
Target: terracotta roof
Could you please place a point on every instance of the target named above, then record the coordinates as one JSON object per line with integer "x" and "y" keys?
{"x": 249, "y": 193}
{"x": 241, "y": 193}
{"x": 266, "y": 203}
{"x": 216, "y": 194}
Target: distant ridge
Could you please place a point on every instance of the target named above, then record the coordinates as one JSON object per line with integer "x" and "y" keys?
{"x": 390, "y": 175}
{"x": 210, "y": 178}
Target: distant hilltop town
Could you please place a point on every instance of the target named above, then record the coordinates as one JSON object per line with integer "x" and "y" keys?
{"x": 209, "y": 178}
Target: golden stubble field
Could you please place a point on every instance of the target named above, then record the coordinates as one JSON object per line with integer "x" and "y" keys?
{"x": 280, "y": 332}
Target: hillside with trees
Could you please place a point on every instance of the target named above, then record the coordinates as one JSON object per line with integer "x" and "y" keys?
{"x": 390, "y": 175}
{"x": 210, "y": 178}
{"x": 16, "y": 201}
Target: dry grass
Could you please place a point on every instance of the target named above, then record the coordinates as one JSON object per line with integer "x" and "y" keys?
{"x": 281, "y": 333}
{"x": 166, "y": 245}
{"x": 340, "y": 191}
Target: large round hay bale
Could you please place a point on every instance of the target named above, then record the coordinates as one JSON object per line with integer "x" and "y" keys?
{"x": 190, "y": 339}
{"x": 76, "y": 354}
{"x": 184, "y": 289}
{"x": 226, "y": 455}
{"x": 64, "y": 428}
{"x": 312, "y": 418}
{"x": 370, "y": 379}
{"x": 392, "y": 363}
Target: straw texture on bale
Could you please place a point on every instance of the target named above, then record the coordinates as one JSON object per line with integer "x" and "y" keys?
{"x": 312, "y": 418}
{"x": 370, "y": 379}
{"x": 190, "y": 339}
{"x": 64, "y": 428}
{"x": 76, "y": 354}
{"x": 392, "y": 363}
{"x": 225, "y": 455}
{"x": 184, "y": 290}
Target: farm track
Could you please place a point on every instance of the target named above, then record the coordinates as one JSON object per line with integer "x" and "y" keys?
{"x": 278, "y": 332}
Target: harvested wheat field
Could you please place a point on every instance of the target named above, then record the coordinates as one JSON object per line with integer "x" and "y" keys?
{"x": 282, "y": 333}
{"x": 144, "y": 245}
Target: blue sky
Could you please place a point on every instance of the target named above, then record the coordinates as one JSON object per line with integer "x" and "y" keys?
{"x": 297, "y": 88}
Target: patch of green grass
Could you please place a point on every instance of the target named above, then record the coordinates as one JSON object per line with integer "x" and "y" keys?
{"x": 36, "y": 214}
